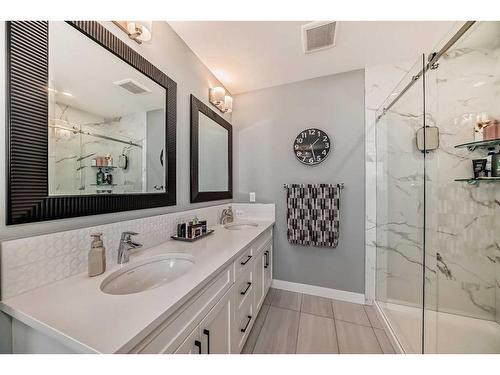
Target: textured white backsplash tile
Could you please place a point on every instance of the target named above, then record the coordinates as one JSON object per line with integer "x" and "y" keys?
{"x": 29, "y": 263}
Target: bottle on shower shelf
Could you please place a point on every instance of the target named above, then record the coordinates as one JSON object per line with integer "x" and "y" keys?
{"x": 100, "y": 177}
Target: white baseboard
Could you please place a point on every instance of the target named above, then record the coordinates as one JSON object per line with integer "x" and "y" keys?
{"x": 319, "y": 291}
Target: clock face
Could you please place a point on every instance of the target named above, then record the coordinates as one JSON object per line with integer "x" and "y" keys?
{"x": 312, "y": 146}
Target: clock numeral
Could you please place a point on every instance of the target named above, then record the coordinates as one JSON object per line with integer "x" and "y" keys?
{"x": 299, "y": 153}
{"x": 304, "y": 158}
{"x": 319, "y": 134}
{"x": 303, "y": 135}
{"x": 312, "y": 131}
{"x": 299, "y": 140}
{"x": 327, "y": 144}
{"x": 325, "y": 138}
{"x": 324, "y": 152}
{"x": 318, "y": 158}
{"x": 296, "y": 146}
{"x": 311, "y": 160}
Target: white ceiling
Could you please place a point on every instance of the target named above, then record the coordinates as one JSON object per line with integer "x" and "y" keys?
{"x": 247, "y": 56}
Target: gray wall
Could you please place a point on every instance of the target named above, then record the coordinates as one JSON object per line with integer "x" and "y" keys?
{"x": 171, "y": 55}
{"x": 267, "y": 122}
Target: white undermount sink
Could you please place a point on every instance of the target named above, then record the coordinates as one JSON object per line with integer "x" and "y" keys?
{"x": 147, "y": 274}
{"x": 240, "y": 226}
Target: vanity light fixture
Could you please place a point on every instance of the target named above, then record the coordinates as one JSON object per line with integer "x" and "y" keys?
{"x": 140, "y": 31}
{"x": 217, "y": 96}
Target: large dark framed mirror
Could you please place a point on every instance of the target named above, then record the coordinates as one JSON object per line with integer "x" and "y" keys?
{"x": 211, "y": 154}
{"x": 91, "y": 124}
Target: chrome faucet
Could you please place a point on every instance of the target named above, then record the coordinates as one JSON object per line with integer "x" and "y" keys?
{"x": 126, "y": 244}
{"x": 227, "y": 216}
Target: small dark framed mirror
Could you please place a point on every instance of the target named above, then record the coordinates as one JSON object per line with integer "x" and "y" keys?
{"x": 211, "y": 154}
{"x": 91, "y": 124}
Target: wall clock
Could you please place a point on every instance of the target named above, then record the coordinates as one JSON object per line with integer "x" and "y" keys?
{"x": 312, "y": 146}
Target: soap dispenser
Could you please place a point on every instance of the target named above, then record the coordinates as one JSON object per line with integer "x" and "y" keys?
{"x": 97, "y": 255}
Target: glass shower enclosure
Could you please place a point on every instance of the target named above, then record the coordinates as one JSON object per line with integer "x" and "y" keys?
{"x": 438, "y": 227}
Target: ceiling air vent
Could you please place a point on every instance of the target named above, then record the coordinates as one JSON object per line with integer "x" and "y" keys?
{"x": 317, "y": 36}
{"x": 132, "y": 86}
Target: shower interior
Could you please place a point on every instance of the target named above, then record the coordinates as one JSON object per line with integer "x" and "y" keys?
{"x": 438, "y": 233}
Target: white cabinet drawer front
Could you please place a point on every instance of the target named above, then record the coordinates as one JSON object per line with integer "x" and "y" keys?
{"x": 192, "y": 344}
{"x": 244, "y": 288}
{"x": 243, "y": 323}
{"x": 262, "y": 241}
{"x": 247, "y": 257}
{"x": 244, "y": 262}
{"x": 170, "y": 334}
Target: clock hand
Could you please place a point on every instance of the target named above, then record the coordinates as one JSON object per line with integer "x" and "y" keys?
{"x": 312, "y": 148}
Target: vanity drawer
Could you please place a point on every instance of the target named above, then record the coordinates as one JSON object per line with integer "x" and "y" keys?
{"x": 171, "y": 333}
{"x": 243, "y": 323}
{"x": 262, "y": 241}
{"x": 243, "y": 289}
{"x": 244, "y": 262}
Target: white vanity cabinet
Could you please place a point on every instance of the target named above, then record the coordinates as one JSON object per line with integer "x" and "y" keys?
{"x": 218, "y": 319}
{"x": 213, "y": 334}
{"x": 213, "y": 318}
{"x": 259, "y": 282}
{"x": 268, "y": 267}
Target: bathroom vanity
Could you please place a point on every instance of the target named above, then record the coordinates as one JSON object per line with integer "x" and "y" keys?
{"x": 208, "y": 309}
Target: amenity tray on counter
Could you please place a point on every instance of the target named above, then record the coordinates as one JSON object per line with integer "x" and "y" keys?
{"x": 186, "y": 239}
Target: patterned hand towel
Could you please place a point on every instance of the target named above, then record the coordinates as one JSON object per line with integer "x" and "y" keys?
{"x": 324, "y": 217}
{"x": 298, "y": 214}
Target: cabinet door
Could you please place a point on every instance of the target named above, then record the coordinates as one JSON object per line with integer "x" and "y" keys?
{"x": 268, "y": 268}
{"x": 215, "y": 328}
{"x": 258, "y": 278}
{"x": 192, "y": 344}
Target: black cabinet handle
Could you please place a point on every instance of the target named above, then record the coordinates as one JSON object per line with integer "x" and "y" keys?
{"x": 207, "y": 332}
{"x": 246, "y": 261}
{"x": 246, "y": 326}
{"x": 198, "y": 344}
{"x": 246, "y": 290}
{"x": 266, "y": 254}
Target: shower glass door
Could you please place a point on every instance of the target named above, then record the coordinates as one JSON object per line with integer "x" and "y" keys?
{"x": 462, "y": 311}
{"x": 400, "y": 212}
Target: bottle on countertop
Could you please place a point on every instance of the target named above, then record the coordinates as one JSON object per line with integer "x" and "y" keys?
{"x": 97, "y": 256}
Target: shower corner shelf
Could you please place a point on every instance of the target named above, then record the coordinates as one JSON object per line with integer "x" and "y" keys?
{"x": 471, "y": 146}
{"x": 475, "y": 181}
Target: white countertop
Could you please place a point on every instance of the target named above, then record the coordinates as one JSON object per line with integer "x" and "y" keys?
{"x": 77, "y": 313}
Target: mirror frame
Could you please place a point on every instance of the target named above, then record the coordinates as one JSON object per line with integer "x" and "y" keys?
{"x": 205, "y": 196}
{"x": 28, "y": 197}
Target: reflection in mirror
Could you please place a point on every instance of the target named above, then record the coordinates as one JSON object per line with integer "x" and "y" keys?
{"x": 212, "y": 155}
{"x": 106, "y": 120}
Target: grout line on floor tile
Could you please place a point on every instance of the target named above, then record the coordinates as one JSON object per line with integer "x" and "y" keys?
{"x": 376, "y": 338}
{"x": 260, "y": 330}
{"x": 358, "y": 324}
{"x": 298, "y": 330}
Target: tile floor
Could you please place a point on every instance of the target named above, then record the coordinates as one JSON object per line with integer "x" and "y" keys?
{"x": 290, "y": 322}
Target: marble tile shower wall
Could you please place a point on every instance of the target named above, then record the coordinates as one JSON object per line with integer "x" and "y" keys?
{"x": 31, "y": 262}
{"x": 463, "y": 219}
{"x": 462, "y": 236}
{"x": 379, "y": 83}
